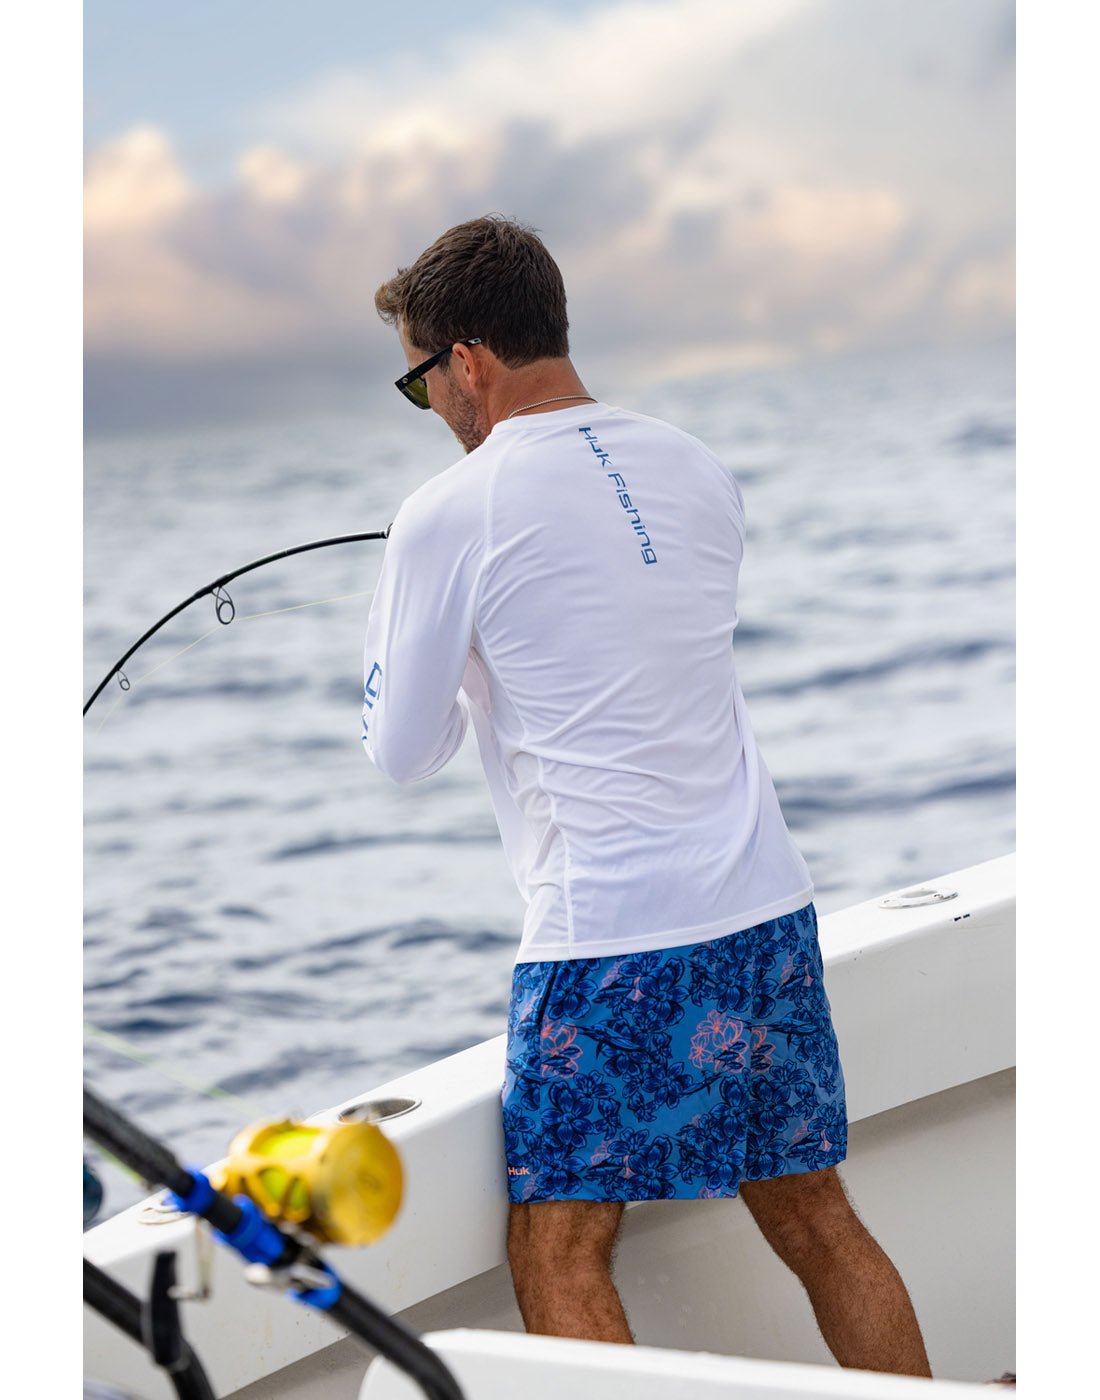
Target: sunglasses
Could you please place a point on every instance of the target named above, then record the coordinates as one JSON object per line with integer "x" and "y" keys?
{"x": 412, "y": 385}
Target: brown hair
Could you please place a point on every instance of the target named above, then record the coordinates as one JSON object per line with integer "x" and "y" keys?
{"x": 490, "y": 277}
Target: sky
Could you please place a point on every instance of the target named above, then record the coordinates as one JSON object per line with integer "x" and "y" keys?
{"x": 726, "y": 184}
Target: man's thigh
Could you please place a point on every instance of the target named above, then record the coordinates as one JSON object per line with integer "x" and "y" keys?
{"x": 575, "y": 1230}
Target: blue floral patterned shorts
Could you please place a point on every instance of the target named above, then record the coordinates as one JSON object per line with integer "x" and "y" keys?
{"x": 673, "y": 1074}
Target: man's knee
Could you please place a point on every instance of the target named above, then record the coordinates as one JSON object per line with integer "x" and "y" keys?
{"x": 562, "y": 1235}
{"x": 802, "y": 1214}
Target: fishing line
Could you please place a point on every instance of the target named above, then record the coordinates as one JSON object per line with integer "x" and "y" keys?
{"x": 224, "y": 607}
{"x": 131, "y": 1052}
{"x": 243, "y": 617}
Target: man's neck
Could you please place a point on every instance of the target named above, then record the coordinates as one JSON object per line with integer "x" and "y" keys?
{"x": 542, "y": 387}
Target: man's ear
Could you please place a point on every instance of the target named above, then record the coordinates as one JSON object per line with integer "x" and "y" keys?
{"x": 468, "y": 363}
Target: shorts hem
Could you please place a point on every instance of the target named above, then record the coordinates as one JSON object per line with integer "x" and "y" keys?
{"x": 833, "y": 1159}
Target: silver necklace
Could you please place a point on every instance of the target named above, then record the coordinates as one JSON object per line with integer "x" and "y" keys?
{"x": 560, "y": 398}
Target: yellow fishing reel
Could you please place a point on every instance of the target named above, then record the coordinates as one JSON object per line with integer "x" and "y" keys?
{"x": 339, "y": 1182}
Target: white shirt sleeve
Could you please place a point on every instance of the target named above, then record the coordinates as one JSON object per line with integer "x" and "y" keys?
{"x": 418, "y": 639}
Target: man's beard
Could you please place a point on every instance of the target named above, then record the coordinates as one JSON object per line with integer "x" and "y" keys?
{"x": 458, "y": 412}
{"x": 460, "y": 415}
{"x": 464, "y": 424}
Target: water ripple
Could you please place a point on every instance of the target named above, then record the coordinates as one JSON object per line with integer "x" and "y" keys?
{"x": 334, "y": 845}
{"x": 983, "y": 435}
{"x": 915, "y": 658}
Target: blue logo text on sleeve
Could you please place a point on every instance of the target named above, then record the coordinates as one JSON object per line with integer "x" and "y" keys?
{"x": 370, "y": 692}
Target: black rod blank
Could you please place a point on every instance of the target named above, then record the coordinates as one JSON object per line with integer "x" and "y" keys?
{"x": 118, "y": 1305}
{"x": 151, "y": 1160}
{"x": 212, "y": 588}
{"x": 394, "y": 1340}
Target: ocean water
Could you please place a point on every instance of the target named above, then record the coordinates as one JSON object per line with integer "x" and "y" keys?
{"x": 272, "y": 926}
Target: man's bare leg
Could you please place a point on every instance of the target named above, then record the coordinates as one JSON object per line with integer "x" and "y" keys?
{"x": 858, "y": 1298}
{"x": 560, "y": 1253}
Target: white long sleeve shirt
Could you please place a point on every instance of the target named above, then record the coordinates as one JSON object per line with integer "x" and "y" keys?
{"x": 571, "y": 587}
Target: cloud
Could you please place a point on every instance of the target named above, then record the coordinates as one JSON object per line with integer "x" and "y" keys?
{"x": 733, "y": 184}
{"x": 983, "y": 289}
{"x": 270, "y": 176}
{"x": 636, "y": 65}
{"x": 144, "y": 293}
{"x": 133, "y": 183}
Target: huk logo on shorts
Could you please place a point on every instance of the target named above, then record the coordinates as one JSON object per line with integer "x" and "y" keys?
{"x": 519, "y": 1171}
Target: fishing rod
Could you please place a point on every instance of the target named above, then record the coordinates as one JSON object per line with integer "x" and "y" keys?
{"x": 223, "y": 604}
{"x": 293, "y": 1183}
{"x": 153, "y": 1324}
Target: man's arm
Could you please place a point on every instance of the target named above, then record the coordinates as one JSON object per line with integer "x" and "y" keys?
{"x": 418, "y": 639}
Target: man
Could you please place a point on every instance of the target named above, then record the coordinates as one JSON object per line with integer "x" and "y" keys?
{"x": 570, "y": 587}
